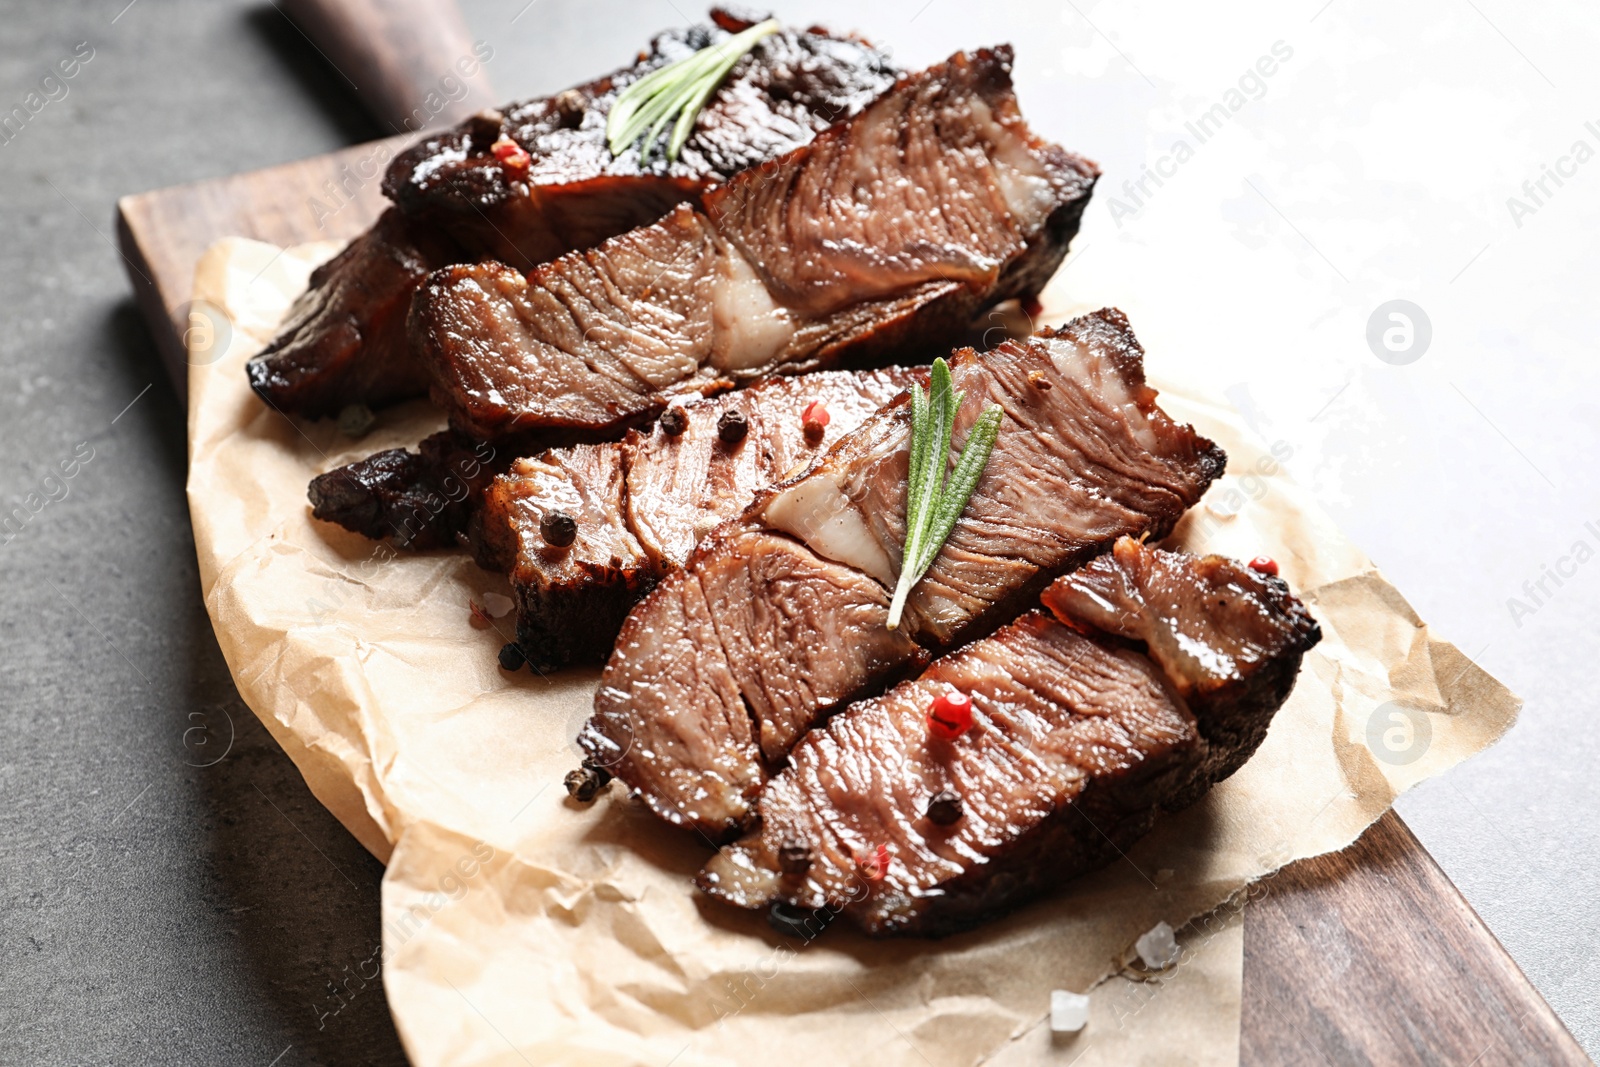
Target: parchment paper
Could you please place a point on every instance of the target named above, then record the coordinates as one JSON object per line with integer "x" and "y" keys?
{"x": 520, "y": 927}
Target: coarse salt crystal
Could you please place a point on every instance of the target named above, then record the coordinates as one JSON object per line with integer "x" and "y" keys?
{"x": 1157, "y": 947}
{"x": 1069, "y": 1012}
{"x": 498, "y": 604}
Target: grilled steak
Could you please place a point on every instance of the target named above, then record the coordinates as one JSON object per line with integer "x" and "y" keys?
{"x": 344, "y": 340}
{"x": 1081, "y": 736}
{"x": 881, "y": 238}
{"x": 1227, "y": 638}
{"x": 417, "y": 500}
{"x": 779, "y": 616}
{"x": 642, "y": 504}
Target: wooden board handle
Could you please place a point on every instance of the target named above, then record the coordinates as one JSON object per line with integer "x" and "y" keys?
{"x": 412, "y": 62}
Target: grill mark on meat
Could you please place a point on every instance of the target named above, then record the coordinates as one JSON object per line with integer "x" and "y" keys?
{"x": 1038, "y": 511}
{"x": 664, "y": 493}
{"x": 882, "y": 236}
{"x": 1086, "y": 728}
{"x": 344, "y": 340}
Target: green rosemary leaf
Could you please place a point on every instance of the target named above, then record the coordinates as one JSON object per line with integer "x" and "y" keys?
{"x": 917, "y": 469}
{"x": 921, "y": 494}
{"x": 676, "y": 91}
{"x": 964, "y": 479}
{"x": 934, "y": 500}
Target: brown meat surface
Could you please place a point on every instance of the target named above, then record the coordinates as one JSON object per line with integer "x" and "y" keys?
{"x": 1083, "y": 456}
{"x": 877, "y": 241}
{"x": 642, "y": 504}
{"x": 1083, "y": 734}
{"x": 415, "y": 500}
{"x": 344, "y": 341}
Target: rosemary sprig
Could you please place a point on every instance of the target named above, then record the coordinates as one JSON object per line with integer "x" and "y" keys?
{"x": 933, "y": 501}
{"x": 682, "y": 89}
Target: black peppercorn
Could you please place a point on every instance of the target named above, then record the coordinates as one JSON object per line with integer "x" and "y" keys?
{"x": 558, "y": 529}
{"x": 674, "y": 422}
{"x": 944, "y": 808}
{"x": 794, "y": 856}
{"x": 732, "y": 426}
{"x": 511, "y": 657}
{"x": 484, "y": 128}
{"x": 585, "y": 782}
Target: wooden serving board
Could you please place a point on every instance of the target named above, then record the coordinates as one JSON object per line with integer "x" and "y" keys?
{"x": 1367, "y": 956}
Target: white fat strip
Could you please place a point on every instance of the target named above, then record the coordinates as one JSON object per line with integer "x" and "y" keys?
{"x": 748, "y": 326}
{"x": 1098, "y": 376}
{"x": 1023, "y": 181}
{"x": 816, "y": 511}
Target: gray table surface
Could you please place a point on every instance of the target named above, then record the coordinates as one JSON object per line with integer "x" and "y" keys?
{"x": 159, "y": 907}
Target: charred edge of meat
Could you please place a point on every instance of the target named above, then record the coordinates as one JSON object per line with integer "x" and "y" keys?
{"x": 417, "y": 500}
{"x": 344, "y": 340}
{"x": 790, "y": 86}
{"x": 559, "y": 625}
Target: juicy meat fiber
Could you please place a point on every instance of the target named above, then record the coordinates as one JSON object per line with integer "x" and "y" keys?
{"x": 344, "y": 341}
{"x": 575, "y": 194}
{"x": 1083, "y": 456}
{"x": 882, "y": 237}
{"x": 1081, "y": 738}
{"x": 642, "y": 504}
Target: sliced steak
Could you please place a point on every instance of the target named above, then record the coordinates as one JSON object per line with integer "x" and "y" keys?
{"x": 1228, "y": 638}
{"x": 642, "y": 504}
{"x": 344, "y": 342}
{"x": 1080, "y": 738}
{"x": 879, "y": 240}
{"x": 1083, "y": 456}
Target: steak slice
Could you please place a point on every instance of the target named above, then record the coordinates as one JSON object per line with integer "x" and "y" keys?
{"x": 791, "y": 86}
{"x": 881, "y": 238}
{"x": 344, "y": 340}
{"x": 416, "y": 500}
{"x": 642, "y": 504}
{"x": 1080, "y": 739}
{"x": 1083, "y": 456}
{"x": 1227, "y": 638}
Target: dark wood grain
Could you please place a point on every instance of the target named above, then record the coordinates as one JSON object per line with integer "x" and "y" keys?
{"x": 1371, "y": 956}
{"x": 411, "y": 62}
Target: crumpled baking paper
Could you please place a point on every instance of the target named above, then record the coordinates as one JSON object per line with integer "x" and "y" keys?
{"x": 520, "y": 927}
